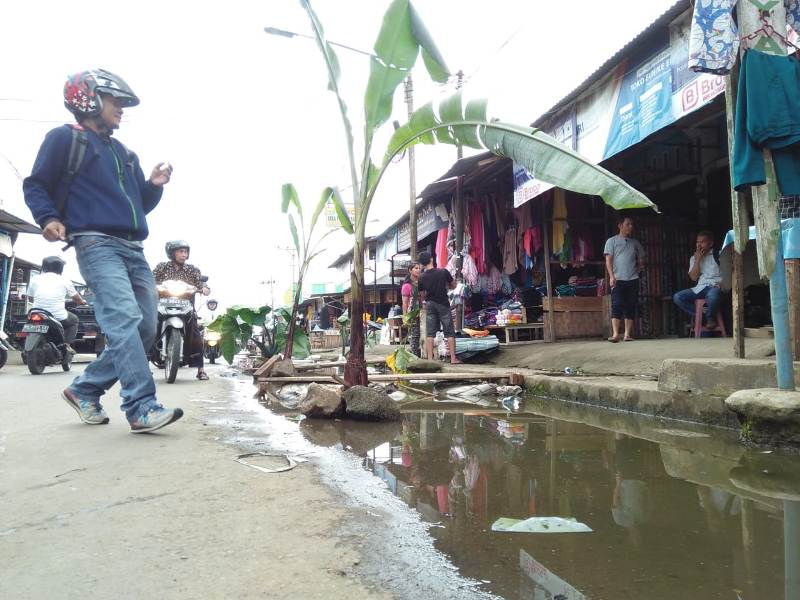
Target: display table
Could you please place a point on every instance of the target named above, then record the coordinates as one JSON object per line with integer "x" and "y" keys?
{"x": 531, "y": 332}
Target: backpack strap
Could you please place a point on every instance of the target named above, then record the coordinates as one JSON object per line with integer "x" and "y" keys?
{"x": 77, "y": 150}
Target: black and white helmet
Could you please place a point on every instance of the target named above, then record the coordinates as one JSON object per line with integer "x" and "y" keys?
{"x": 173, "y": 245}
{"x": 82, "y": 92}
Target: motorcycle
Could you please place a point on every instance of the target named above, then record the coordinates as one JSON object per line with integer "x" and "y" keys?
{"x": 44, "y": 343}
{"x": 175, "y": 311}
{"x": 212, "y": 339}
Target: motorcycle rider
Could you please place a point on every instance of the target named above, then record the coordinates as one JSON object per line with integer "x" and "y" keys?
{"x": 177, "y": 268}
{"x": 48, "y": 292}
{"x": 99, "y": 205}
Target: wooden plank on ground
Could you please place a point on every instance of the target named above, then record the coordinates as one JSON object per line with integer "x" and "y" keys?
{"x": 398, "y": 377}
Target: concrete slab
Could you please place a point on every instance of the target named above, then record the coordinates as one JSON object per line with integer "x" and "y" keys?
{"x": 766, "y": 405}
{"x": 718, "y": 377}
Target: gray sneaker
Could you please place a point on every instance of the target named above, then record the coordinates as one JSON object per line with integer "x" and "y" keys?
{"x": 155, "y": 418}
{"x": 89, "y": 411}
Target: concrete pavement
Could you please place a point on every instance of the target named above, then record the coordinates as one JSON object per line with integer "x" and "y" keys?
{"x": 97, "y": 512}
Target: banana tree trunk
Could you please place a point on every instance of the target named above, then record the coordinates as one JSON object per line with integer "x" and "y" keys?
{"x": 355, "y": 371}
{"x": 293, "y": 321}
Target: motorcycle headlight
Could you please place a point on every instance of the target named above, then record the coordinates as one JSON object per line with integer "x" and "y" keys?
{"x": 212, "y": 343}
{"x": 213, "y": 336}
{"x": 175, "y": 289}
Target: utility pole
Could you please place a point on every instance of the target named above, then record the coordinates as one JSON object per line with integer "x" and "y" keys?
{"x": 459, "y": 208}
{"x": 459, "y": 84}
{"x": 412, "y": 177}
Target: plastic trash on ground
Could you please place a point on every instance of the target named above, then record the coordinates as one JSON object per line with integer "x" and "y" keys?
{"x": 540, "y": 525}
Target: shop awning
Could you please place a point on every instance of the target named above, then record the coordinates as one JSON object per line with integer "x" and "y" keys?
{"x": 12, "y": 224}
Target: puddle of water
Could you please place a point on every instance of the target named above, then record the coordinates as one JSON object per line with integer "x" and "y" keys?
{"x": 675, "y": 510}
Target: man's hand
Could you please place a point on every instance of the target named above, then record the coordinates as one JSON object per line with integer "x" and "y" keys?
{"x": 612, "y": 282}
{"x": 161, "y": 174}
{"x": 206, "y": 290}
{"x": 54, "y": 231}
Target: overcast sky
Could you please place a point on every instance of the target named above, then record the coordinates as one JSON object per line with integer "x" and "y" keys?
{"x": 238, "y": 112}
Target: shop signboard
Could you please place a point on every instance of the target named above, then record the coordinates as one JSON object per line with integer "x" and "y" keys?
{"x": 430, "y": 218}
{"x": 629, "y": 104}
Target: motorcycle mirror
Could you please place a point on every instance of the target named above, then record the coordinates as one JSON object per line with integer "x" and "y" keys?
{"x": 204, "y": 278}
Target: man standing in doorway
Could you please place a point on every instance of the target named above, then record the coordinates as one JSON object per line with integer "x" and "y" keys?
{"x": 433, "y": 286}
{"x": 624, "y": 261}
{"x": 704, "y": 270}
{"x": 88, "y": 189}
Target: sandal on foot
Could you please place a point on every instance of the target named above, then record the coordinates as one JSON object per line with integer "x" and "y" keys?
{"x": 613, "y": 339}
{"x": 202, "y": 376}
{"x": 629, "y": 339}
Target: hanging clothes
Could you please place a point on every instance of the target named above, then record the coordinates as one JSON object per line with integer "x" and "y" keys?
{"x": 476, "y": 247}
{"x": 510, "y": 251}
{"x": 441, "y": 248}
{"x": 559, "y": 220}
{"x": 714, "y": 39}
{"x": 767, "y": 116}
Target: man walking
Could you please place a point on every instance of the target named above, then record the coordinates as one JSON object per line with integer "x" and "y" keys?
{"x": 624, "y": 261}
{"x": 433, "y": 286}
{"x": 176, "y": 268}
{"x": 704, "y": 270}
{"x": 86, "y": 188}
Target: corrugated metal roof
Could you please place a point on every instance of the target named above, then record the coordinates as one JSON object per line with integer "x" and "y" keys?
{"x": 642, "y": 39}
{"x": 12, "y": 224}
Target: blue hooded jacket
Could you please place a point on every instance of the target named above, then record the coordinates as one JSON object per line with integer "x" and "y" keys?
{"x": 109, "y": 193}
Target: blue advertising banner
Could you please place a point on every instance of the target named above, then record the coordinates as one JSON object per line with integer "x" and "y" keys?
{"x": 644, "y": 103}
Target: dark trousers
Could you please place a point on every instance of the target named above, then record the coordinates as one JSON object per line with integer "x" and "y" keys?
{"x": 70, "y": 325}
{"x": 624, "y": 298}
{"x": 194, "y": 342}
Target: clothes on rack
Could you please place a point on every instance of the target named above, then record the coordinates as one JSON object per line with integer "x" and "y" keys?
{"x": 714, "y": 38}
{"x": 510, "y": 251}
{"x": 477, "y": 248}
{"x": 441, "y": 248}
{"x": 559, "y": 220}
{"x": 767, "y": 116}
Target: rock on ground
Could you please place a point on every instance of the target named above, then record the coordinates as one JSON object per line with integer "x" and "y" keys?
{"x": 422, "y": 365}
{"x": 283, "y": 368}
{"x": 367, "y": 404}
{"x": 321, "y": 402}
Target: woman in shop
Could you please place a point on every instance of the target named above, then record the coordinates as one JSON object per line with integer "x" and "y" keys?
{"x": 410, "y": 293}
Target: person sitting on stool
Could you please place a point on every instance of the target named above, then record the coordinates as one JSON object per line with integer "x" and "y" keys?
{"x": 704, "y": 270}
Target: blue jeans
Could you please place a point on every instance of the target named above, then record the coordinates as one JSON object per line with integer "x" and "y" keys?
{"x": 125, "y": 305}
{"x": 685, "y": 301}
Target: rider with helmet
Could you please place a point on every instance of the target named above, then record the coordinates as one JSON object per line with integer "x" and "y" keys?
{"x": 50, "y": 289}
{"x": 88, "y": 189}
{"x": 176, "y": 268}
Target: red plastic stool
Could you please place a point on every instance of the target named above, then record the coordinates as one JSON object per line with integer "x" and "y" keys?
{"x": 699, "y": 305}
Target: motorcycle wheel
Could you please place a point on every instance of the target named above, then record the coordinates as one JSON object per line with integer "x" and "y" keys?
{"x": 212, "y": 358}
{"x": 66, "y": 362}
{"x": 35, "y": 361}
{"x": 3, "y": 357}
{"x": 173, "y": 358}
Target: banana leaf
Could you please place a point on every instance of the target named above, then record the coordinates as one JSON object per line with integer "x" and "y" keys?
{"x": 543, "y": 156}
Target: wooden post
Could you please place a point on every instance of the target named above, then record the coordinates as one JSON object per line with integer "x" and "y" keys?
{"x": 793, "y": 290}
{"x": 412, "y": 177}
{"x": 459, "y": 211}
{"x": 741, "y": 223}
{"x": 550, "y": 329}
{"x": 769, "y": 238}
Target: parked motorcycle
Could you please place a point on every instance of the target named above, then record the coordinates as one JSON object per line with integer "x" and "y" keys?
{"x": 211, "y": 350}
{"x": 175, "y": 311}
{"x": 44, "y": 343}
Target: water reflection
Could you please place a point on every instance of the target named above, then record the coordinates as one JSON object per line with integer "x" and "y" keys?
{"x": 687, "y": 516}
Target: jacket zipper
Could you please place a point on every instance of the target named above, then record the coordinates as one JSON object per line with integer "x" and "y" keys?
{"x": 121, "y": 181}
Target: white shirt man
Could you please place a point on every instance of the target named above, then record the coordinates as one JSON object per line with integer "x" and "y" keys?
{"x": 49, "y": 292}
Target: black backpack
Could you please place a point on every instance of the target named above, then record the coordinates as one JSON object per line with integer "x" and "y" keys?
{"x": 77, "y": 151}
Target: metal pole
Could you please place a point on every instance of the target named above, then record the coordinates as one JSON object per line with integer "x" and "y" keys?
{"x": 459, "y": 83}
{"x": 8, "y": 291}
{"x": 412, "y": 177}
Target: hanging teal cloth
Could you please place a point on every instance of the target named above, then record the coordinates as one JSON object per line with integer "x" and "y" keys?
{"x": 767, "y": 116}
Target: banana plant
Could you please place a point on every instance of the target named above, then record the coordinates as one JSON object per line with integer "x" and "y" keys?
{"x": 401, "y": 39}
{"x": 306, "y": 248}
